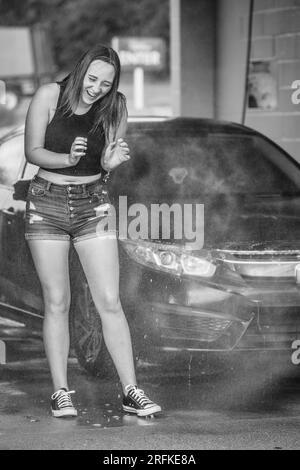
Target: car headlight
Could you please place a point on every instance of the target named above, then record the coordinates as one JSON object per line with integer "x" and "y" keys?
{"x": 197, "y": 266}
{"x": 170, "y": 258}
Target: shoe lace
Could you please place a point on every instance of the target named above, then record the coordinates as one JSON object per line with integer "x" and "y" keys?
{"x": 63, "y": 398}
{"x": 139, "y": 395}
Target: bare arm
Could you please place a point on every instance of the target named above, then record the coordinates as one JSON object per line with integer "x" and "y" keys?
{"x": 35, "y": 128}
{"x": 116, "y": 151}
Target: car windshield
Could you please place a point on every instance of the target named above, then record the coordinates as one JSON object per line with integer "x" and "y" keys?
{"x": 188, "y": 164}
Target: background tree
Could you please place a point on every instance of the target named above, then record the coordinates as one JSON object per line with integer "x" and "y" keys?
{"x": 75, "y": 25}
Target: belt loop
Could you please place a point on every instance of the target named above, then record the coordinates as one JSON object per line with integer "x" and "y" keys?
{"x": 48, "y": 185}
{"x": 84, "y": 189}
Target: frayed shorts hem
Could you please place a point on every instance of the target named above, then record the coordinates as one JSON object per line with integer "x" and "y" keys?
{"x": 111, "y": 235}
{"x": 50, "y": 236}
{"x": 46, "y": 236}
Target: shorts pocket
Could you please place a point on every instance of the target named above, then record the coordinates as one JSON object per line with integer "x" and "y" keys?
{"x": 37, "y": 190}
{"x": 99, "y": 195}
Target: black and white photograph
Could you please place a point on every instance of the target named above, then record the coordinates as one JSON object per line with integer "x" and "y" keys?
{"x": 149, "y": 227}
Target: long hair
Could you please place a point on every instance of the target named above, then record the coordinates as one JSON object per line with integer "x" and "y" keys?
{"x": 112, "y": 107}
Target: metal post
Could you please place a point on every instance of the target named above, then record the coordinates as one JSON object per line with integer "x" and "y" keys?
{"x": 138, "y": 88}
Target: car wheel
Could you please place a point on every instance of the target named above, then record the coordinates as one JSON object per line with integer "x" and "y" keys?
{"x": 87, "y": 335}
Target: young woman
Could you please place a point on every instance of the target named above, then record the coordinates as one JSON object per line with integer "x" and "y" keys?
{"x": 74, "y": 132}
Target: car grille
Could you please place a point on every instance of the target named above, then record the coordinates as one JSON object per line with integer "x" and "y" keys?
{"x": 273, "y": 328}
{"x": 196, "y": 328}
{"x": 182, "y": 326}
{"x": 262, "y": 264}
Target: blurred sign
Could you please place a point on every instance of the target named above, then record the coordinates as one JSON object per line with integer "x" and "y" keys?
{"x": 262, "y": 87}
{"x": 25, "y": 52}
{"x": 148, "y": 53}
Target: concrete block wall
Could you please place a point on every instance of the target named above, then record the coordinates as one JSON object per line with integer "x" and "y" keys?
{"x": 276, "y": 38}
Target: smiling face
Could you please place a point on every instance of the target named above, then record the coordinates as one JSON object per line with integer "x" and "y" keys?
{"x": 97, "y": 82}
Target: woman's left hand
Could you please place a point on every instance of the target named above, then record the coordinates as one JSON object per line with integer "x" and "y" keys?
{"x": 115, "y": 154}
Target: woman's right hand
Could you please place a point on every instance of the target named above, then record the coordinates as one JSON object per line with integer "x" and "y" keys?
{"x": 78, "y": 150}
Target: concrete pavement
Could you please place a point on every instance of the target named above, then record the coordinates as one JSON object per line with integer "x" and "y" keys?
{"x": 199, "y": 411}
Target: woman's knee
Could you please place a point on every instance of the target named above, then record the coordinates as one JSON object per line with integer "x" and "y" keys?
{"x": 109, "y": 304}
{"x": 57, "y": 303}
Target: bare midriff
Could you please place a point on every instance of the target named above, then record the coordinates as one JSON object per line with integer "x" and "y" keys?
{"x": 66, "y": 179}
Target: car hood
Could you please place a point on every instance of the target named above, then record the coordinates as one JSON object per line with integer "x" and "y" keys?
{"x": 256, "y": 222}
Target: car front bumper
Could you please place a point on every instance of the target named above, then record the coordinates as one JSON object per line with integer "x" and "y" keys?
{"x": 197, "y": 315}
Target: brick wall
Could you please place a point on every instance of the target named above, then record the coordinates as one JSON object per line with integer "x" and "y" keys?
{"x": 276, "y": 38}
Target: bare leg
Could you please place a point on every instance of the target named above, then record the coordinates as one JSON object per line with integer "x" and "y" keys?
{"x": 51, "y": 261}
{"x": 100, "y": 261}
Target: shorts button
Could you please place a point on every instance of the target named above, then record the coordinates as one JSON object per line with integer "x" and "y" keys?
{"x": 71, "y": 208}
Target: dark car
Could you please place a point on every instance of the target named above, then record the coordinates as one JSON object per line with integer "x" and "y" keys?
{"x": 209, "y": 224}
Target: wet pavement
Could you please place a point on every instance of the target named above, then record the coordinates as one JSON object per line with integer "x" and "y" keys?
{"x": 242, "y": 401}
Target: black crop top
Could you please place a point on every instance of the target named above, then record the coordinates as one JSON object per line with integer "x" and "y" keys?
{"x": 61, "y": 133}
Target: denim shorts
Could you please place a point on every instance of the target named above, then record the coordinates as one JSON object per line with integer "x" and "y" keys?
{"x": 67, "y": 211}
